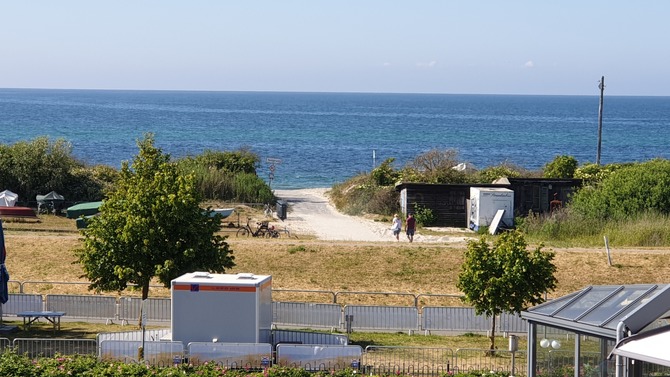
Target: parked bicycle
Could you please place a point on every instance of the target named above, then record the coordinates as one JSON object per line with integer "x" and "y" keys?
{"x": 261, "y": 230}
{"x": 286, "y": 233}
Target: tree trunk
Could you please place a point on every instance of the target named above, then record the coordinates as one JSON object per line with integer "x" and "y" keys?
{"x": 145, "y": 295}
{"x": 493, "y": 336}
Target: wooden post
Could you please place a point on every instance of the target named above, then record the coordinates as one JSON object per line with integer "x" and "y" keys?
{"x": 601, "y": 86}
{"x": 609, "y": 255}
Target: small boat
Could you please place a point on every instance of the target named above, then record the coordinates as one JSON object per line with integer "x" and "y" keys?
{"x": 83, "y": 209}
{"x": 224, "y": 212}
{"x": 17, "y": 212}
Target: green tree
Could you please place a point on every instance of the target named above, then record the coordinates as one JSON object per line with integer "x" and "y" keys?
{"x": 505, "y": 277}
{"x": 561, "y": 167}
{"x": 151, "y": 226}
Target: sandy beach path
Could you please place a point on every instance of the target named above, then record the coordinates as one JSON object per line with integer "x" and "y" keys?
{"x": 310, "y": 212}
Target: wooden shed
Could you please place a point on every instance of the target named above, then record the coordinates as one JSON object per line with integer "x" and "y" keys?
{"x": 449, "y": 202}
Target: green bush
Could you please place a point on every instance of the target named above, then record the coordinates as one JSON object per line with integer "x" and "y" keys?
{"x": 593, "y": 174}
{"x": 359, "y": 196}
{"x": 29, "y": 168}
{"x": 384, "y": 174}
{"x": 504, "y": 170}
{"x": 434, "y": 166}
{"x": 561, "y": 167}
{"x": 228, "y": 176}
{"x": 627, "y": 191}
{"x": 424, "y": 216}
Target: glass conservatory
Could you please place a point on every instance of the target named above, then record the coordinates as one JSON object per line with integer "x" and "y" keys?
{"x": 589, "y": 333}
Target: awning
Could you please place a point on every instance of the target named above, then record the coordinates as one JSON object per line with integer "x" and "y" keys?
{"x": 650, "y": 346}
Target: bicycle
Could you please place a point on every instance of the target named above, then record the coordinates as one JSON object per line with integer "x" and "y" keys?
{"x": 286, "y": 233}
{"x": 261, "y": 230}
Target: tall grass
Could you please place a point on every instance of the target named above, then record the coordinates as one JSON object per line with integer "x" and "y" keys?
{"x": 567, "y": 228}
{"x": 360, "y": 195}
{"x": 218, "y": 184}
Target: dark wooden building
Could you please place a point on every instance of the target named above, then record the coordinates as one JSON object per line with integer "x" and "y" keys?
{"x": 450, "y": 202}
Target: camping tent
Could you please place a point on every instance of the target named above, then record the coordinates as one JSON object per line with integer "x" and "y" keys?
{"x": 50, "y": 202}
{"x": 8, "y": 198}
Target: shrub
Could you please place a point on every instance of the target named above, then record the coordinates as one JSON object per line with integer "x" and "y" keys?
{"x": 627, "y": 191}
{"x": 424, "y": 216}
{"x": 29, "y": 168}
{"x": 561, "y": 167}
{"x": 503, "y": 170}
{"x": 434, "y": 166}
{"x": 384, "y": 174}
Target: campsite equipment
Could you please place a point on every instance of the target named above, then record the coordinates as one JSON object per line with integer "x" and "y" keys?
{"x": 24, "y": 212}
{"x": 50, "y": 202}
{"x": 83, "y": 209}
{"x": 224, "y": 212}
{"x": 8, "y": 198}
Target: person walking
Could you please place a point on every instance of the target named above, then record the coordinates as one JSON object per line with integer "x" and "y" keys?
{"x": 410, "y": 226}
{"x": 396, "y": 226}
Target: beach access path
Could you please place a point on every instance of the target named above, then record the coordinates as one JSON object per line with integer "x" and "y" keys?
{"x": 311, "y": 212}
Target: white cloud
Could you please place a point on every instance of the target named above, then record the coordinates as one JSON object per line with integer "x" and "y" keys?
{"x": 386, "y": 64}
{"x": 430, "y": 64}
{"x": 529, "y": 64}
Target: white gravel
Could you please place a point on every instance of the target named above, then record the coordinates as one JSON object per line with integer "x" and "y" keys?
{"x": 310, "y": 212}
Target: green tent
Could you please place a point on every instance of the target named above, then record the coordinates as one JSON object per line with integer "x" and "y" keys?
{"x": 83, "y": 209}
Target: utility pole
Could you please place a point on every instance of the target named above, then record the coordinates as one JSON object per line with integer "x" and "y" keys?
{"x": 601, "y": 86}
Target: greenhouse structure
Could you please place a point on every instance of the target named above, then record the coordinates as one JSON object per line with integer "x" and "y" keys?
{"x": 600, "y": 331}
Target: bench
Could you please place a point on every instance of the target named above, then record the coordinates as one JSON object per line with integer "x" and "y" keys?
{"x": 29, "y": 317}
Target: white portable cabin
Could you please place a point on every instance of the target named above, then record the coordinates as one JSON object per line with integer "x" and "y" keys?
{"x": 486, "y": 201}
{"x": 232, "y": 308}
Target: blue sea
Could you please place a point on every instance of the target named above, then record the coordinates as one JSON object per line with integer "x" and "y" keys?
{"x": 326, "y": 138}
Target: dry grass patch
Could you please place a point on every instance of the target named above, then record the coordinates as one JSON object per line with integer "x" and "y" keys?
{"x": 428, "y": 270}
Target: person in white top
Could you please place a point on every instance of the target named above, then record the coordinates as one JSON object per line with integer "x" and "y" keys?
{"x": 396, "y": 226}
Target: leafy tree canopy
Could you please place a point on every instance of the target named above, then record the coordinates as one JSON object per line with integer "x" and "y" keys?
{"x": 505, "y": 277}
{"x": 561, "y": 167}
{"x": 151, "y": 226}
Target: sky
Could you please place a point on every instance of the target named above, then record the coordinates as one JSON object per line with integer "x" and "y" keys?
{"x": 380, "y": 46}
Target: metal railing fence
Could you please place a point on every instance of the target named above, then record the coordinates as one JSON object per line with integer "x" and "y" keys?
{"x": 477, "y": 359}
{"x": 43, "y": 347}
{"x": 430, "y": 361}
{"x": 374, "y": 360}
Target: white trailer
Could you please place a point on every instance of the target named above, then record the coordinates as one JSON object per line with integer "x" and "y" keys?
{"x": 231, "y": 308}
{"x": 486, "y": 201}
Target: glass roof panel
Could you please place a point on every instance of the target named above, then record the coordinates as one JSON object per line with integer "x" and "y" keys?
{"x": 549, "y": 307}
{"x": 623, "y": 301}
{"x": 586, "y": 302}
{"x": 614, "y": 321}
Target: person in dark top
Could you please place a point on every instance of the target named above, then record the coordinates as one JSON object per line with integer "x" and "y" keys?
{"x": 410, "y": 226}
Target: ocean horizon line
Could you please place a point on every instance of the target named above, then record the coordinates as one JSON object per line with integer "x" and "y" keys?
{"x": 119, "y": 90}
